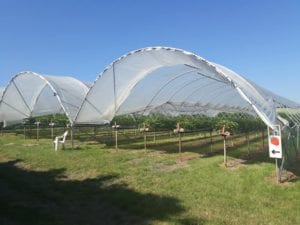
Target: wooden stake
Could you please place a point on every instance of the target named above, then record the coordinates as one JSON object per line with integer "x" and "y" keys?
{"x": 225, "y": 153}
{"x": 37, "y": 131}
{"x": 72, "y": 137}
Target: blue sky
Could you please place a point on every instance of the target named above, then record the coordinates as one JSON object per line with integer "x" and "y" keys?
{"x": 259, "y": 39}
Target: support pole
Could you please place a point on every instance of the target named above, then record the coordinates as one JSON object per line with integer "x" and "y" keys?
{"x": 179, "y": 146}
{"x": 116, "y": 135}
{"x": 277, "y": 172}
{"x": 224, "y": 134}
{"x": 225, "y": 153}
{"x": 145, "y": 130}
{"x": 145, "y": 140}
{"x": 37, "y": 131}
{"x": 178, "y": 131}
{"x": 51, "y": 124}
{"x": 72, "y": 136}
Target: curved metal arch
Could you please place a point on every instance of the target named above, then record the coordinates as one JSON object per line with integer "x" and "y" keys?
{"x": 111, "y": 65}
{"x": 209, "y": 65}
{"x": 201, "y": 75}
{"x": 165, "y": 85}
{"x": 47, "y": 83}
{"x": 200, "y": 78}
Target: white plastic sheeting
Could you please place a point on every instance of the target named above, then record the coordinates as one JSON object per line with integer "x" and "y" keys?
{"x": 173, "y": 81}
{"x": 149, "y": 80}
{"x": 29, "y": 94}
{"x": 1, "y": 92}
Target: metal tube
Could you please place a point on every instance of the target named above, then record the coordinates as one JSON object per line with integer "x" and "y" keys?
{"x": 52, "y": 132}
{"x": 116, "y": 134}
{"x": 277, "y": 171}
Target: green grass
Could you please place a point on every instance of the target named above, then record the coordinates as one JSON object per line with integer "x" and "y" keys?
{"x": 94, "y": 184}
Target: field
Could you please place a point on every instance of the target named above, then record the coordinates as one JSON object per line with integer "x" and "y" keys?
{"x": 95, "y": 184}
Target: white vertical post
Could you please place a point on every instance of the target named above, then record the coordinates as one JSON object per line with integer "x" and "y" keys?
{"x": 116, "y": 139}
{"x": 277, "y": 171}
{"x": 51, "y": 124}
{"x": 144, "y": 129}
{"x": 116, "y": 134}
{"x": 37, "y": 130}
{"x": 178, "y": 131}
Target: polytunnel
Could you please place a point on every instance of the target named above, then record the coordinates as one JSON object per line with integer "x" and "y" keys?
{"x": 168, "y": 80}
{"x": 30, "y": 94}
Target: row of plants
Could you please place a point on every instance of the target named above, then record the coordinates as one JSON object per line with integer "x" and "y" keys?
{"x": 233, "y": 122}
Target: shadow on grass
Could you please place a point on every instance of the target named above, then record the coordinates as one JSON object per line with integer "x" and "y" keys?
{"x": 293, "y": 170}
{"x": 47, "y": 197}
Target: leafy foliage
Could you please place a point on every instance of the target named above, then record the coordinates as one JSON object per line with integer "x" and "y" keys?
{"x": 234, "y": 122}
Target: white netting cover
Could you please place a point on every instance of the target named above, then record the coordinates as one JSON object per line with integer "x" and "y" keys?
{"x": 173, "y": 81}
{"x": 30, "y": 94}
{"x": 1, "y": 92}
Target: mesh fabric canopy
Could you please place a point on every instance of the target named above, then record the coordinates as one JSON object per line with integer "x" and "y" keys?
{"x": 150, "y": 80}
{"x": 30, "y": 94}
{"x": 1, "y": 92}
{"x": 173, "y": 81}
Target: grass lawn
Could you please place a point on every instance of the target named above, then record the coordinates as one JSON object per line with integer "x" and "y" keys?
{"x": 94, "y": 184}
